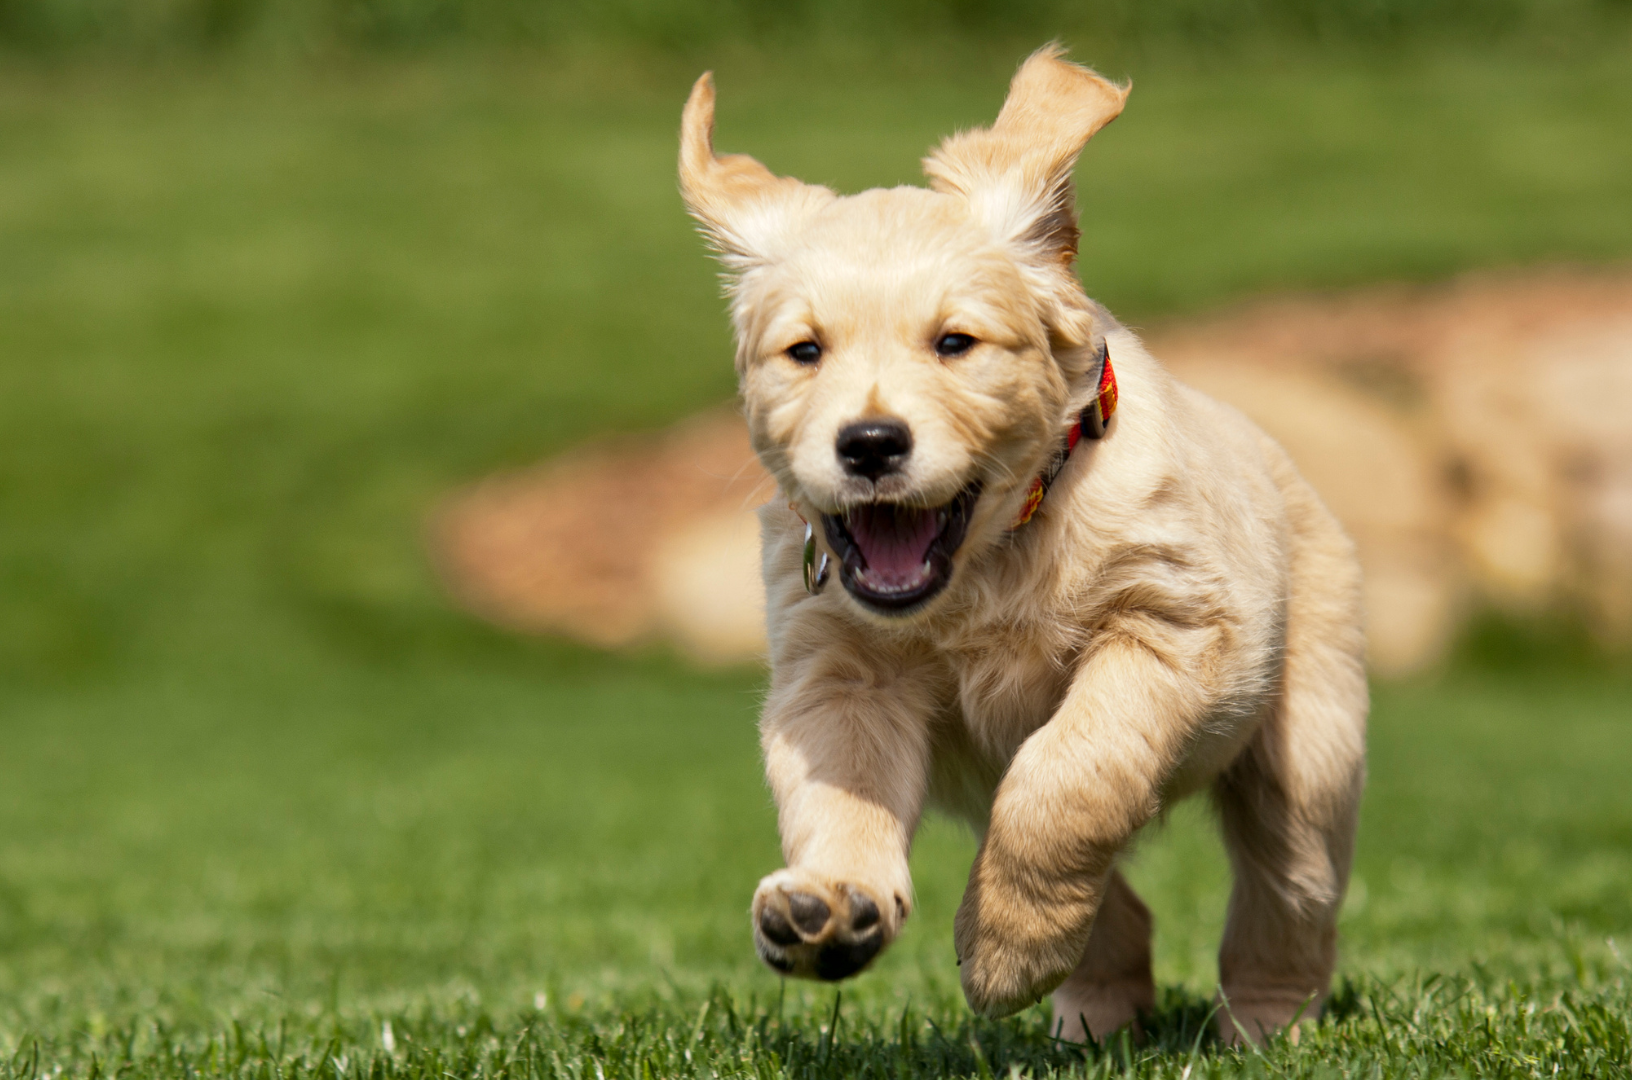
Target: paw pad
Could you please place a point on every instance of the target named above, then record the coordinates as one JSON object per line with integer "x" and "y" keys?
{"x": 809, "y": 913}
{"x": 774, "y": 925}
{"x": 863, "y": 913}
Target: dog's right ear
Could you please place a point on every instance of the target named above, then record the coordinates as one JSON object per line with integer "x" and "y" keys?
{"x": 744, "y": 208}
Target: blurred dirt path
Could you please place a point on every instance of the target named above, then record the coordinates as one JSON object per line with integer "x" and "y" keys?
{"x": 1475, "y": 437}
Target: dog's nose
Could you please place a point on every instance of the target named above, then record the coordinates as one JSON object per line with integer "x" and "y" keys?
{"x": 872, "y": 448}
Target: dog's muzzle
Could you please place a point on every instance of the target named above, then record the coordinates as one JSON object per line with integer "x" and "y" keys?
{"x": 894, "y": 558}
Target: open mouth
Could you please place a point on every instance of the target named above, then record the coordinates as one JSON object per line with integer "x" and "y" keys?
{"x": 894, "y": 557}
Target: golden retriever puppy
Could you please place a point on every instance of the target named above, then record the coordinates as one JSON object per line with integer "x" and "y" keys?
{"x": 1070, "y": 589}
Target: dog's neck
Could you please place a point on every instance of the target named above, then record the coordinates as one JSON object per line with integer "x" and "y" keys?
{"x": 1090, "y": 423}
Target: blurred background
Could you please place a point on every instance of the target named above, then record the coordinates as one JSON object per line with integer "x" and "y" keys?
{"x": 377, "y": 631}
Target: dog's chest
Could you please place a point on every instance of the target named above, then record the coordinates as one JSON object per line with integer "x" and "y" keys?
{"x": 1009, "y": 683}
{"x": 1005, "y": 686}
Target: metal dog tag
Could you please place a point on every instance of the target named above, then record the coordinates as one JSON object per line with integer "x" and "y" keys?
{"x": 815, "y": 569}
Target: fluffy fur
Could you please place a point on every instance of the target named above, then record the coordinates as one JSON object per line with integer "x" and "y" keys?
{"x": 1182, "y": 614}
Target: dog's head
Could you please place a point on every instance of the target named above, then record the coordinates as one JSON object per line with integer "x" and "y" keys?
{"x": 908, "y": 356}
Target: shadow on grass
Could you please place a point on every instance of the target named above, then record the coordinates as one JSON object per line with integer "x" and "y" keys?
{"x": 870, "y": 1042}
{"x": 1422, "y": 1025}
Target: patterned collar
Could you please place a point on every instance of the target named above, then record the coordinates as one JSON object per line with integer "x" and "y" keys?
{"x": 1090, "y": 424}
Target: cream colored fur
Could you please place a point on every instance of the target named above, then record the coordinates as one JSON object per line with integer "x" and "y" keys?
{"x": 1181, "y": 616}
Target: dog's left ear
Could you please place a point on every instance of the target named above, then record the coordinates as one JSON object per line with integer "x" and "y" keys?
{"x": 1017, "y": 173}
{"x": 743, "y": 207}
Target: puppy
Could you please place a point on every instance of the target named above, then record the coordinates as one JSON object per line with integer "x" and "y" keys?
{"x": 1071, "y": 590}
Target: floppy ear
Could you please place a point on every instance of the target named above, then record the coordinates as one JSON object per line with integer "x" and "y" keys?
{"x": 1017, "y": 173}
{"x": 741, "y": 205}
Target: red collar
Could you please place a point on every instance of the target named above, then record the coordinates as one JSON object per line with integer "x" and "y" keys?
{"x": 1090, "y": 424}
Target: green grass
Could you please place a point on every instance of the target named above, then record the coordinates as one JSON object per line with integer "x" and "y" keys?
{"x": 261, "y": 791}
{"x": 202, "y": 868}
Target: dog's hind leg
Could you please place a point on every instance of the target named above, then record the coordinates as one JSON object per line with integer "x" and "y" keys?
{"x": 1288, "y": 806}
{"x": 1113, "y": 983}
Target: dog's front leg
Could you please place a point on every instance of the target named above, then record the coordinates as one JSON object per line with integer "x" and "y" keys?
{"x": 846, "y": 739}
{"x": 1075, "y": 793}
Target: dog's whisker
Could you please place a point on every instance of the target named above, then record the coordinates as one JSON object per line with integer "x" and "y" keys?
{"x": 991, "y": 463}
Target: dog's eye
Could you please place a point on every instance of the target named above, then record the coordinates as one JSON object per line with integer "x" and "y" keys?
{"x": 954, "y": 344}
{"x": 805, "y": 352}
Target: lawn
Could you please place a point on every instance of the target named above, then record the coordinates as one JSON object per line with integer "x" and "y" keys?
{"x": 268, "y": 807}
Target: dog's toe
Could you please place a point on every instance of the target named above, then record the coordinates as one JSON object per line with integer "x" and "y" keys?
{"x": 810, "y": 913}
{"x": 774, "y": 926}
{"x": 863, "y": 913}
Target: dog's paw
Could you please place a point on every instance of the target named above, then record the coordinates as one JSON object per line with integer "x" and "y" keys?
{"x": 1011, "y": 954}
{"x": 1000, "y": 979}
{"x": 816, "y": 929}
{"x": 1095, "y": 1012}
{"x": 1245, "y": 1017}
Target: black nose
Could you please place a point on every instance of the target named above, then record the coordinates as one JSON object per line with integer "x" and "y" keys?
{"x": 872, "y": 448}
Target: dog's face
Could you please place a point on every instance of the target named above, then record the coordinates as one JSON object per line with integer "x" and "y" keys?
{"x": 907, "y": 356}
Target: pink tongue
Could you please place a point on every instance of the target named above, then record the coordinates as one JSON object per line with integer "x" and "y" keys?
{"x": 893, "y": 540}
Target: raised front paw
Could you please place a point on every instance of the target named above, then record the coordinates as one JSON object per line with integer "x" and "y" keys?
{"x": 817, "y": 929}
{"x": 1010, "y": 952}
